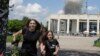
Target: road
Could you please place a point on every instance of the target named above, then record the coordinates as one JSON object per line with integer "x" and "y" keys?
{"x": 75, "y": 46}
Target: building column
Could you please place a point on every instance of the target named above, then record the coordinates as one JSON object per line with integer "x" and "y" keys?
{"x": 49, "y": 24}
{"x": 87, "y": 29}
{"x": 77, "y": 28}
{"x": 58, "y": 26}
{"x": 97, "y": 27}
{"x": 54, "y": 26}
{"x": 68, "y": 24}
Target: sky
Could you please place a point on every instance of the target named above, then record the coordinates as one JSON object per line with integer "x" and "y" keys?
{"x": 41, "y": 9}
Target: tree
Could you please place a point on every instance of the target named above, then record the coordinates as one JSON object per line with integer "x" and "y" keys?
{"x": 14, "y": 25}
{"x": 4, "y": 11}
{"x": 24, "y": 20}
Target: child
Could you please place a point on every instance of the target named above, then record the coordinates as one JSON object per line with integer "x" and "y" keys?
{"x": 49, "y": 46}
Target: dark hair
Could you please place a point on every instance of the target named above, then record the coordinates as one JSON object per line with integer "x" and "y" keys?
{"x": 43, "y": 29}
{"x": 51, "y": 33}
{"x": 43, "y": 34}
{"x": 38, "y": 26}
{"x": 44, "y": 38}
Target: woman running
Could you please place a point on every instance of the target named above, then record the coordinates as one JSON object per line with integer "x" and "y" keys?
{"x": 49, "y": 46}
{"x": 31, "y": 33}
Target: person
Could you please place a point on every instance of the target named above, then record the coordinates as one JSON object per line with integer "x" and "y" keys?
{"x": 44, "y": 31}
{"x": 49, "y": 46}
{"x": 31, "y": 34}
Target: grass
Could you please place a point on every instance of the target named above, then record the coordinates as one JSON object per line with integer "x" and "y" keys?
{"x": 10, "y": 38}
{"x": 97, "y": 43}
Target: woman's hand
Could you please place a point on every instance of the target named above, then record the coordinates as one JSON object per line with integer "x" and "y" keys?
{"x": 43, "y": 52}
{"x": 42, "y": 49}
{"x": 55, "y": 53}
{"x": 16, "y": 34}
{"x": 57, "y": 50}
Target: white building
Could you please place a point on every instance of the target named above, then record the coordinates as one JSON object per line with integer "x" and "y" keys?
{"x": 74, "y": 23}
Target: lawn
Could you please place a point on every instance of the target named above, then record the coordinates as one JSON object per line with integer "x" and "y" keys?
{"x": 97, "y": 43}
{"x": 10, "y": 38}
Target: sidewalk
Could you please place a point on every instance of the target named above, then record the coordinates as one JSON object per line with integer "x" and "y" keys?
{"x": 78, "y": 43}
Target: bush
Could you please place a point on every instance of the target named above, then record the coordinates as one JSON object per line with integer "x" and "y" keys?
{"x": 97, "y": 43}
{"x": 10, "y": 38}
{"x": 14, "y": 25}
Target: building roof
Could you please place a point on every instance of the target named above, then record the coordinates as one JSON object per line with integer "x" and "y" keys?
{"x": 77, "y": 16}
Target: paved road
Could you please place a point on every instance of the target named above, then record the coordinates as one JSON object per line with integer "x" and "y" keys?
{"x": 75, "y": 46}
{"x": 78, "y": 43}
{"x": 73, "y": 53}
{"x": 76, "y": 53}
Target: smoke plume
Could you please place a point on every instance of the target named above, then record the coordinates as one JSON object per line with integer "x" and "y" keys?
{"x": 73, "y": 6}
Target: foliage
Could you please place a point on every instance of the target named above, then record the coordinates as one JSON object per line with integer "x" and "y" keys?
{"x": 25, "y": 19}
{"x": 14, "y": 25}
{"x": 97, "y": 43}
{"x": 10, "y": 38}
{"x": 15, "y": 51}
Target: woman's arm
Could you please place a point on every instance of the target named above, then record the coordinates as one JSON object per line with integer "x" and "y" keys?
{"x": 57, "y": 50}
{"x": 15, "y": 34}
{"x": 42, "y": 48}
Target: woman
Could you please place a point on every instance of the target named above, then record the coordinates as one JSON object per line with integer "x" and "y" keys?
{"x": 31, "y": 33}
{"x": 49, "y": 46}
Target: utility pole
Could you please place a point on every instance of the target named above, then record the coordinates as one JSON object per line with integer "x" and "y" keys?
{"x": 86, "y": 2}
{"x": 4, "y": 11}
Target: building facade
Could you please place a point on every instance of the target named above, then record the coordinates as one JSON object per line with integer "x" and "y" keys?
{"x": 74, "y": 23}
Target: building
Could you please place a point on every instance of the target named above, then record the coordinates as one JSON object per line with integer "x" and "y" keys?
{"x": 71, "y": 23}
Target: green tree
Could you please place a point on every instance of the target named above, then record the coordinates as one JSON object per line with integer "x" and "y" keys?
{"x": 24, "y": 20}
{"x": 15, "y": 25}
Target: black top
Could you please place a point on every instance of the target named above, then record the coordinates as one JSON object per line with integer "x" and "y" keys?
{"x": 30, "y": 39}
{"x": 50, "y": 46}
